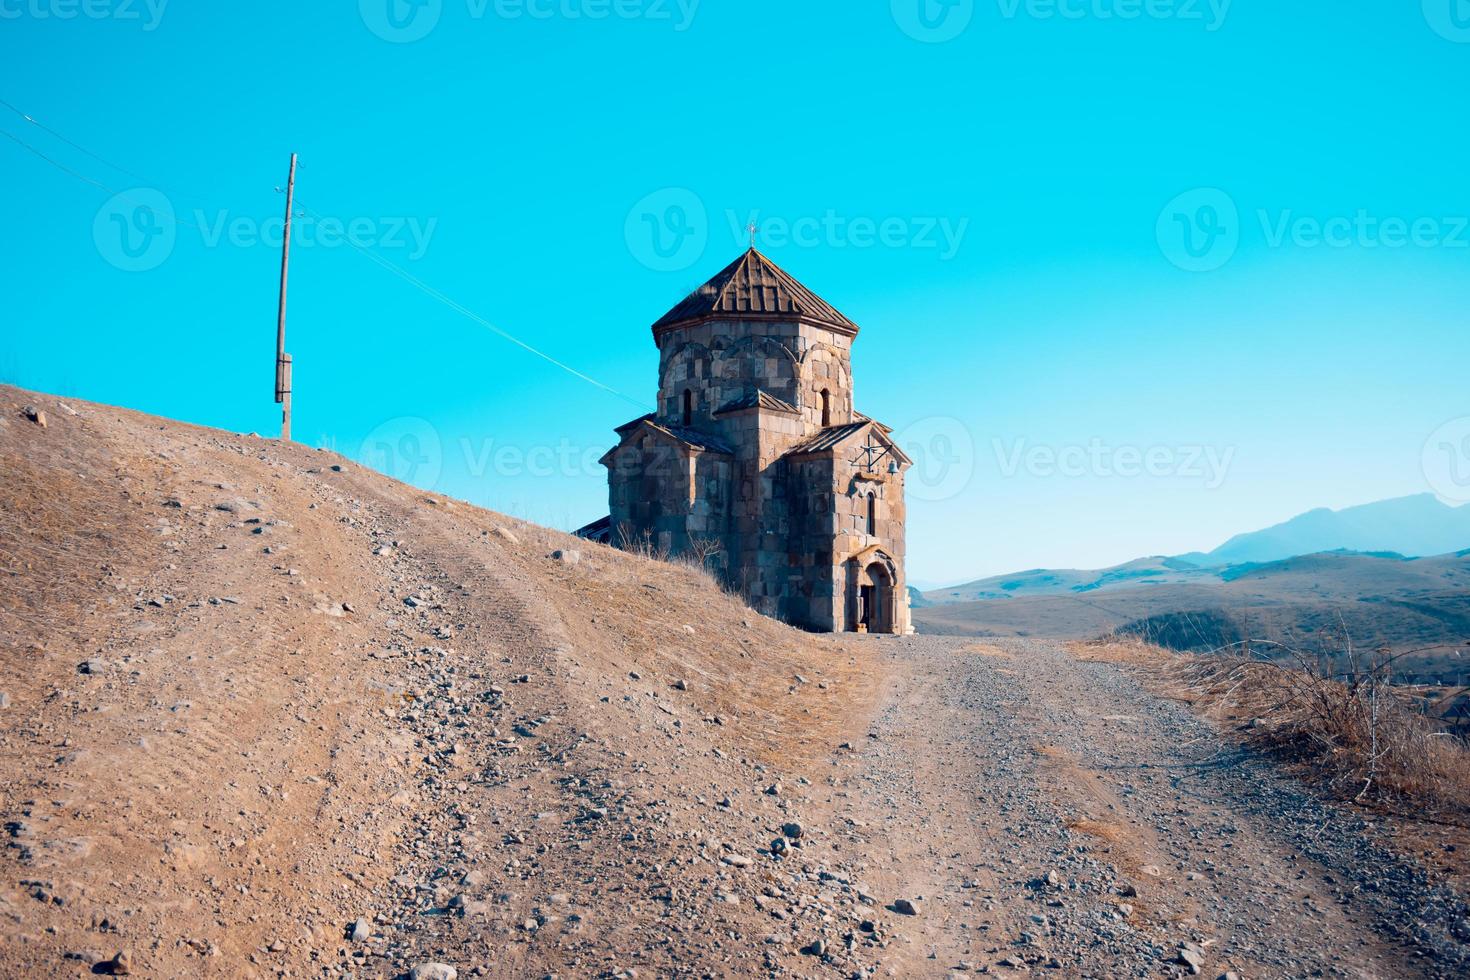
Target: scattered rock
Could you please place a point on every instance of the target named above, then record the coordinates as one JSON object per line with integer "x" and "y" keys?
{"x": 433, "y": 971}
{"x": 736, "y": 860}
{"x": 566, "y": 557}
{"x": 906, "y": 906}
{"x": 681, "y": 685}
{"x": 4, "y": 699}
{"x": 792, "y": 830}
{"x": 360, "y": 930}
{"x": 121, "y": 965}
{"x": 35, "y": 415}
{"x": 1192, "y": 956}
{"x": 506, "y": 535}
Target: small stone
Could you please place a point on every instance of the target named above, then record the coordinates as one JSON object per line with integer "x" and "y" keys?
{"x": 36, "y": 415}
{"x": 121, "y": 965}
{"x": 792, "y": 830}
{"x": 433, "y": 971}
{"x": 1191, "y": 956}
{"x": 774, "y": 789}
{"x": 906, "y": 906}
{"x": 360, "y": 930}
{"x": 818, "y": 947}
{"x": 90, "y": 667}
{"x": 506, "y": 535}
{"x": 681, "y": 685}
{"x": 1128, "y": 890}
{"x": 4, "y": 699}
{"x": 779, "y": 846}
{"x": 736, "y": 860}
{"x": 1053, "y": 880}
{"x": 567, "y": 557}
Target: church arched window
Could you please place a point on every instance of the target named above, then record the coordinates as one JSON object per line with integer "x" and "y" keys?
{"x": 688, "y": 406}
{"x": 872, "y": 514}
{"x": 826, "y": 408}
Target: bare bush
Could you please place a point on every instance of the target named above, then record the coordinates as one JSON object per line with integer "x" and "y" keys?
{"x": 702, "y": 555}
{"x": 1339, "y": 715}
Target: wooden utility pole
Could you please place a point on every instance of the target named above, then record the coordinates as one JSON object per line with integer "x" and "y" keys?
{"x": 283, "y": 360}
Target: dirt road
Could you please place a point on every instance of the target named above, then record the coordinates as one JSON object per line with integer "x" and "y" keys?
{"x": 1054, "y": 813}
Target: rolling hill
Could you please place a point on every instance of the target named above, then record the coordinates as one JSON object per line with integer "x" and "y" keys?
{"x": 1314, "y": 602}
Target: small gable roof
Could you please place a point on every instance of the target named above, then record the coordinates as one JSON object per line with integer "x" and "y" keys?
{"x": 758, "y": 398}
{"x": 830, "y": 438}
{"x": 688, "y": 438}
{"x": 754, "y": 287}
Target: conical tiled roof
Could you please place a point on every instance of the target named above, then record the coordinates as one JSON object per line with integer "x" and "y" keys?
{"x": 754, "y": 287}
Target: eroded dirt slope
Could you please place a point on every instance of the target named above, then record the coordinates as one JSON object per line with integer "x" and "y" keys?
{"x": 256, "y": 693}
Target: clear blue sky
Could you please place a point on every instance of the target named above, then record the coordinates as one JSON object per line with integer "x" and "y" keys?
{"x": 536, "y": 145}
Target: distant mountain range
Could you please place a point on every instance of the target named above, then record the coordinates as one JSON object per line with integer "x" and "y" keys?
{"x": 1418, "y": 526}
{"x": 1323, "y": 582}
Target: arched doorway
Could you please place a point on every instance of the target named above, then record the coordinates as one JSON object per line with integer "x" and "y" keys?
{"x": 870, "y": 594}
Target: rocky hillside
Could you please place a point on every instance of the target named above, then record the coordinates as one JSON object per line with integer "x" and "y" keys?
{"x": 267, "y": 712}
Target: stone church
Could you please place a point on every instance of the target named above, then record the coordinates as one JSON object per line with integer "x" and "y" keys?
{"x": 757, "y": 461}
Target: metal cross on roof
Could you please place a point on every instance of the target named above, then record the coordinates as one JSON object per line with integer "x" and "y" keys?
{"x": 752, "y": 231}
{"x": 871, "y": 456}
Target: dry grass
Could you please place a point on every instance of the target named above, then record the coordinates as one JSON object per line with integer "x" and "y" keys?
{"x": 1348, "y": 728}
{"x": 1100, "y": 829}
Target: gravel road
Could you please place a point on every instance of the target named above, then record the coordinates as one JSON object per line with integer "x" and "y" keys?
{"x": 1058, "y": 815}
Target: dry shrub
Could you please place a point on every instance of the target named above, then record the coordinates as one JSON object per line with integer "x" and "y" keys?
{"x": 1343, "y": 721}
{"x": 1100, "y": 829}
{"x": 703, "y": 555}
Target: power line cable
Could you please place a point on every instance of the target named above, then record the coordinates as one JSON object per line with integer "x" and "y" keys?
{"x": 76, "y": 146}
{"x": 470, "y": 314}
{"x": 384, "y": 263}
